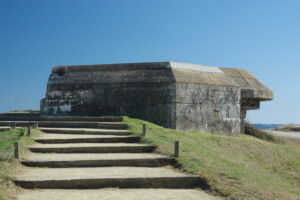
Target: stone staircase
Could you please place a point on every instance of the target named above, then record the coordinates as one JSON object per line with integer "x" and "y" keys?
{"x": 92, "y": 155}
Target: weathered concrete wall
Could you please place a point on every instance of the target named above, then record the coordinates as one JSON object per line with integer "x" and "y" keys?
{"x": 147, "y": 101}
{"x": 214, "y": 109}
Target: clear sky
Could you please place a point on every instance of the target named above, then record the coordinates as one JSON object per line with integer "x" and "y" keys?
{"x": 261, "y": 36}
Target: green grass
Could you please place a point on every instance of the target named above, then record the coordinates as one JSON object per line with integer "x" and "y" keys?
{"x": 7, "y": 162}
{"x": 243, "y": 167}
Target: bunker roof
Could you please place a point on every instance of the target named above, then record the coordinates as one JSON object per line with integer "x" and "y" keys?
{"x": 161, "y": 72}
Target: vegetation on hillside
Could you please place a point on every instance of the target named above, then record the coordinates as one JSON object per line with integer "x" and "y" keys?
{"x": 253, "y": 131}
{"x": 243, "y": 167}
{"x": 7, "y": 162}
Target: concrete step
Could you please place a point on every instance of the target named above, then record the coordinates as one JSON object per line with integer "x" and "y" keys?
{"x": 75, "y": 138}
{"x": 5, "y": 128}
{"x": 88, "y": 131}
{"x": 96, "y": 160}
{"x": 92, "y": 148}
{"x": 64, "y": 124}
{"x": 116, "y": 194}
{"x": 62, "y": 118}
{"x": 101, "y": 177}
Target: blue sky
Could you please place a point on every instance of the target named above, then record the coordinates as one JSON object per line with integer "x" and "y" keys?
{"x": 261, "y": 36}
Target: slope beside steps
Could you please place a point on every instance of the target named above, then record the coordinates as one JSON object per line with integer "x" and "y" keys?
{"x": 97, "y": 158}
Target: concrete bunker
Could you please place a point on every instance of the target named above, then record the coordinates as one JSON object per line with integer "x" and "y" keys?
{"x": 181, "y": 96}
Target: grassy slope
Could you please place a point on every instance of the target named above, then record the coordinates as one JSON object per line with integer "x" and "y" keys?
{"x": 241, "y": 167}
{"x": 7, "y": 163}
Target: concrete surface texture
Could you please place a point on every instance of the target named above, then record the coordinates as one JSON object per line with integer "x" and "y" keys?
{"x": 77, "y": 138}
{"x": 88, "y": 145}
{"x": 90, "y": 156}
{"x": 57, "y": 169}
{"x": 92, "y": 148}
{"x": 4, "y": 128}
{"x": 182, "y": 96}
{"x": 90, "y": 131}
{"x": 46, "y": 136}
{"x": 43, "y": 174}
{"x": 116, "y": 194}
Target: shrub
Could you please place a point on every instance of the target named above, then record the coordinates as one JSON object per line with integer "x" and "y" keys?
{"x": 255, "y": 132}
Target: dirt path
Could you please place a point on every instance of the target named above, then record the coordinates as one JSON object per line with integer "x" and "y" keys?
{"x": 295, "y": 135}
